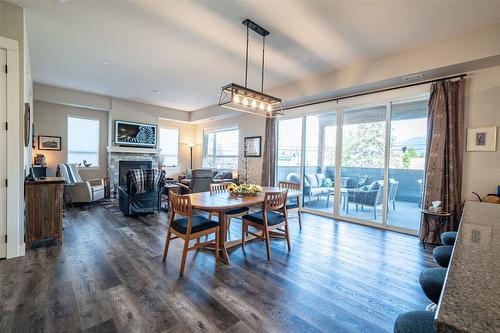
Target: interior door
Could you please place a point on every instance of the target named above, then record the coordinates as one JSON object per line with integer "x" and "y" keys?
{"x": 3, "y": 153}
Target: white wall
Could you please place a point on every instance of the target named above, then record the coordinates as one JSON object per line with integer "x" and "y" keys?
{"x": 481, "y": 172}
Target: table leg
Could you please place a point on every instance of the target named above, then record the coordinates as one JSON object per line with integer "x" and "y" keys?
{"x": 427, "y": 227}
{"x": 222, "y": 237}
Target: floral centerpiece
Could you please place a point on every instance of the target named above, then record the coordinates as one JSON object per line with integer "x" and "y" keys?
{"x": 244, "y": 189}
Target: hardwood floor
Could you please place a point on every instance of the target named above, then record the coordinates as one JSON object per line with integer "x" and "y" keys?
{"x": 108, "y": 277}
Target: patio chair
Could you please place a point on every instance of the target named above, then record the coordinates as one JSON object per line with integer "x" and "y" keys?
{"x": 373, "y": 196}
{"x": 420, "y": 187}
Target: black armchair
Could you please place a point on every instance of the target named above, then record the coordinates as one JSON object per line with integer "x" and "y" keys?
{"x": 143, "y": 191}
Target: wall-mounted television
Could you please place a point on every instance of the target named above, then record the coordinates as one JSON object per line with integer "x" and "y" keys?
{"x": 135, "y": 134}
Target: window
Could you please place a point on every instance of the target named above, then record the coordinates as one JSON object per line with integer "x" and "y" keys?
{"x": 169, "y": 146}
{"x": 83, "y": 141}
{"x": 220, "y": 149}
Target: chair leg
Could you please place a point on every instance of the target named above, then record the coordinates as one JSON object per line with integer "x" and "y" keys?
{"x": 393, "y": 204}
{"x": 287, "y": 235}
{"x": 300, "y": 219}
{"x": 228, "y": 228}
{"x": 243, "y": 238}
{"x": 268, "y": 245}
{"x": 375, "y": 212}
{"x": 167, "y": 243}
{"x": 217, "y": 244}
{"x": 184, "y": 255}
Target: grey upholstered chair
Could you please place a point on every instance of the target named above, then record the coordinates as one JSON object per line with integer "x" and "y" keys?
{"x": 201, "y": 180}
{"x": 78, "y": 189}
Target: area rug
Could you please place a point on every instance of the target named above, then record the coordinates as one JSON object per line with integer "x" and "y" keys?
{"x": 111, "y": 205}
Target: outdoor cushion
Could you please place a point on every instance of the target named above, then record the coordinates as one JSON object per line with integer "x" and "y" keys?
{"x": 236, "y": 210}
{"x": 200, "y": 223}
{"x": 228, "y": 175}
{"x": 448, "y": 237}
{"x": 415, "y": 322}
{"x": 318, "y": 190}
{"x": 219, "y": 175}
{"x": 442, "y": 255}
{"x": 273, "y": 218}
{"x": 320, "y": 177}
{"x": 432, "y": 282}
{"x": 293, "y": 177}
{"x": 327, "y": 182}
{"x": 312, "y": 180}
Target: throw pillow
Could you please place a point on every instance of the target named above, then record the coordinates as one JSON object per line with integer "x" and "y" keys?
{"x": 327, "y": 182}
{"x": 219, "y": 175}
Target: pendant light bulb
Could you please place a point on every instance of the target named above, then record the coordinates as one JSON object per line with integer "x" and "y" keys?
{"x": 236, "y": 99}
{"x": 245, "y": 101}
{"x": 254, "y": 103}
{"x": 262, "y": 106}
{"x": 269, "y": 108}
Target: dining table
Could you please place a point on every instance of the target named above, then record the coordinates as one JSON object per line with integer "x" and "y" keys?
{"x": 220, "y": 202}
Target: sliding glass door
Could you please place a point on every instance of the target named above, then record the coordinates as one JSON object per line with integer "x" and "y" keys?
{"x": 319, "y": 162}
{"x": 361, "y": 164}
{"x": 289, "y": 150}
{"x": 362, "y": 172}
{"x": 406, "y": 163}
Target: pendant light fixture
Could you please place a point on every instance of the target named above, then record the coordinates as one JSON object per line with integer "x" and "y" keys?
{"x": 244, "y": 99}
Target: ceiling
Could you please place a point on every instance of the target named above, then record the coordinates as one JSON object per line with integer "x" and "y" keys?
{"x": 186, "y": 50}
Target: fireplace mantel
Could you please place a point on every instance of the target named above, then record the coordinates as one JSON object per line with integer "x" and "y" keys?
{"x": 131, "y": 150}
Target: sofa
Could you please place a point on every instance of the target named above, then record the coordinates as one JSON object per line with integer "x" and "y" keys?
{"x": 78, "y": 190}
{"x": 217, "y": 176}
{"x": 317, "y": 185}
{"x": 142, "y": 194}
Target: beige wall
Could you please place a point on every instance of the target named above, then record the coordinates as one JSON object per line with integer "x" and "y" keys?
{"x": 249, "y": 125}
{"x": 52, "y": 119}
{"x": 482, "y": 169}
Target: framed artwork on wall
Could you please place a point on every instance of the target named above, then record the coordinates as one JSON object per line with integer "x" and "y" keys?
{"x": 252, "y": 146}
{"x": 482, "y": 139}
{"x": 47, "y": 142}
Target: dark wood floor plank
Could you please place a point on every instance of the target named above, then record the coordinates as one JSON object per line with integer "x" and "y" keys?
{"x": 108, "y": 277}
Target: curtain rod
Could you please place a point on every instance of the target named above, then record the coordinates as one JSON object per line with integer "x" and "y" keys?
{"x": 372, "y": 92}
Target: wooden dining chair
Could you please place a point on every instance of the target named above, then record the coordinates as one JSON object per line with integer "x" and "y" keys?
{"x": 230, "y": 213}
{"x": 269, "y": 220}
{"x": 188, "y": 227}
{"x": 294, "y": 204}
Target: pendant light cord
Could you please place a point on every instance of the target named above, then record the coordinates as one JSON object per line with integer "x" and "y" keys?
{"x": 246, "y": 61}
{"x": 262, "y": 77}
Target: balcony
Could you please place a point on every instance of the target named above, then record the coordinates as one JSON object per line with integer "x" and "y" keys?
{"x": 403, "y": 208}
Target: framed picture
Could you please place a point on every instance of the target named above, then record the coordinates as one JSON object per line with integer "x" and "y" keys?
{"x": 46, "y": 142}
{"x": 252, "y": 146}
{"x": 482, "y": 139}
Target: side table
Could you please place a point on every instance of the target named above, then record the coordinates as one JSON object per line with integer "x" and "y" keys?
{"x": 439, "y": 218}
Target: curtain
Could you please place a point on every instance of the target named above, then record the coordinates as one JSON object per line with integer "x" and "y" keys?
{"x": 445, "y": 146}
{"x": 269, "y": 156}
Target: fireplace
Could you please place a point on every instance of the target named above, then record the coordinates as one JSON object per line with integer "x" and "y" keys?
{"x": 125, "y": 166}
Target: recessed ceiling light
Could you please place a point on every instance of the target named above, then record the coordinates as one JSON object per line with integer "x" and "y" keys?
{"x": 156, "y": 91}
{"x": 107, "y": 62}
{"x": 60, "y": 1}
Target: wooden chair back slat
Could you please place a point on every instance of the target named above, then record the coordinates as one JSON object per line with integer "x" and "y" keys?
{"x": 290, "y": 185}
{"x": 181, "y": 204}
{"x": 275, "y": 200}
{"x": 218, "y": 187}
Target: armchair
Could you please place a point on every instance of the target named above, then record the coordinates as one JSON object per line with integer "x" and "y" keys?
{"x": 143, "y": 191}
{"x": 79, "y": 190}
{"x": 200, "y": 181}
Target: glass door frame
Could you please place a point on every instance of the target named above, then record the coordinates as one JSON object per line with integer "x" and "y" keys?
{"x": 387, "y": 102}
